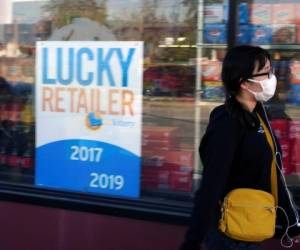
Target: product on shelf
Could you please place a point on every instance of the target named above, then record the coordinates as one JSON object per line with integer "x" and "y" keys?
{"x": 27, "y": 66}
{"x": 294, "y": 94}
{"x": 261, "y": 34}
{"x": 295, "y": 156}
{"x": 287, "y": 167}
{"x": 244, "y": 35}
{"x": 153, "y": 178}
{"x": 282, "y": 68}
{"x": 298, "y": 34}
{"x": 294, "y": 130}
{"x": 158, "y": 137}
{"x": 215, "y": 33}
{"x": 295, "y": 72}
{"x": 17, "y": 69}
{"x": 243, "y": 13}
{"x": 280, "y": 128}
{"x": 294, "y": 138}
{"x": 212, "y": 90}
{"x": 163, "y": 156}
{"x": 283, "y": 13}
{"x": 26, "y": 159}
{"x": 181, "y": 181}
{"x": 174, "y": 160}
{"x": 213, "y": 13}
{"x": 13, "y": 158}
{"x": 3, "y": 156}
{"x": 161, "y": 144}
{"x": 211, "y": 70}
{"x": 282, "y": 72}
{"x": 260, "y": 13}
{"x": 284, "y": 33}
{"x": 4, "y": 112}
{"x": 297, "y": 13}
{"x": 17, "y": 121}
{"x": 160, "y": 132}
{"x": 27, "y": 115}
{"x": 13, "y": 70}
{"x": 15, "y": 112}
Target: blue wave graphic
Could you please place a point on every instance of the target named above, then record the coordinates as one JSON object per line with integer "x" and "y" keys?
{"x": 59, "y": 166}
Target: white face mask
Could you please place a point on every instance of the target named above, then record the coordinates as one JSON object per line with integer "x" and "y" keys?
{"x": 268, "y": 89}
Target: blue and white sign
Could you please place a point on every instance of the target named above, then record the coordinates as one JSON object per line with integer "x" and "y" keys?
{"x": 88, "y": 116}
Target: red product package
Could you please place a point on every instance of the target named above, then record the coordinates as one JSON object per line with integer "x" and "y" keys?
{"x": 295, "y": 155}
{"x": 285, "y": 147}
{"x": 294, "y": 138}
{"x": 297, "y": 13}
{"x": 295, "y": 72}
{"x": 13, "y": 160}
{"x": 183, "y": 158}
{"x": 159, "y": 144}
{"x": 159, "y": 132}
{"x": 280, "y": 128}
{"x": 294, "y": 130}
{"x": 3, "y": 112}
{"x": 283, "y": 13}
{"x": 154, "y": 178}
{"x": 211, "y": 70}
{"x": 179, "y": 168}
{"x": 15, "y": 114}
{"x": 3, "y": 158}
{"x": 284, "y": 34}
{"x": 298, "y": 34}
{"x": 181, "y": 181}
{"x": 260, "y": 13}
{"x": 26, "y": 162}
{"x": 153, "y": 172}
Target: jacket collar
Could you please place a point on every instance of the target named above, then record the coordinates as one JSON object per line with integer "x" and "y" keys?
{"x": 245, "y": 118}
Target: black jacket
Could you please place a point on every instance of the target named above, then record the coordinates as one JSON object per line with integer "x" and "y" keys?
{"x": 235, "y": 154}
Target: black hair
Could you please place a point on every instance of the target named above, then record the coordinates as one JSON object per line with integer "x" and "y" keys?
{"x": 239, "y": 64}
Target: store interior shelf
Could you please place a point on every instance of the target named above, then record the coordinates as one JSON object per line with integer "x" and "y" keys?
{"x": 212, "y": 45}
{"x": 265, "y": 46}
{"x": 281, "y": 46}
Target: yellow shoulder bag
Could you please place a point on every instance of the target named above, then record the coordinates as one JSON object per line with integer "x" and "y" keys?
{"x": 250, "y": 214}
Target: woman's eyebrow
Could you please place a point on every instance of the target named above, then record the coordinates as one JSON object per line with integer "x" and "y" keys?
{"x": 266, "y": 68}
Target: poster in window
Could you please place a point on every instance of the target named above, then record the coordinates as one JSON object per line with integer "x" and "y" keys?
{"x": 88, "y": 116}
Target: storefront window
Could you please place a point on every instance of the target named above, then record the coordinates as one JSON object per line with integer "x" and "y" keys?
{"x": 169, "y": 32}
{"x": 184, "y": 43}
{"x": 275, "y": 26}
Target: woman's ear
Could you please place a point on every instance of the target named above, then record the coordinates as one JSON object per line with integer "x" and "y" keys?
{"x": 244, "y": 86}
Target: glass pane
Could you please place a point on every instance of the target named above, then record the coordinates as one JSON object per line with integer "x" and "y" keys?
{"x": 274, "y": 25}
{"x": 211, "y": 51}
{"x": 168, "y": 29}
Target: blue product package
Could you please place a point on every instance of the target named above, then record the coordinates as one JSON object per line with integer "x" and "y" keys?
{"x": 261, "y": 34}
{"x": 213, "y": 13}
{"x": 213, "y": 93}
{"x": 243, "y": 13}
{"x": 215, "y": 33}
{"x": 294, "y": 94}
{"x": 243, "y": 36}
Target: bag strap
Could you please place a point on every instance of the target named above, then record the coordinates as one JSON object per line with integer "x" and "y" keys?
{"x": 274, "y": 186}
